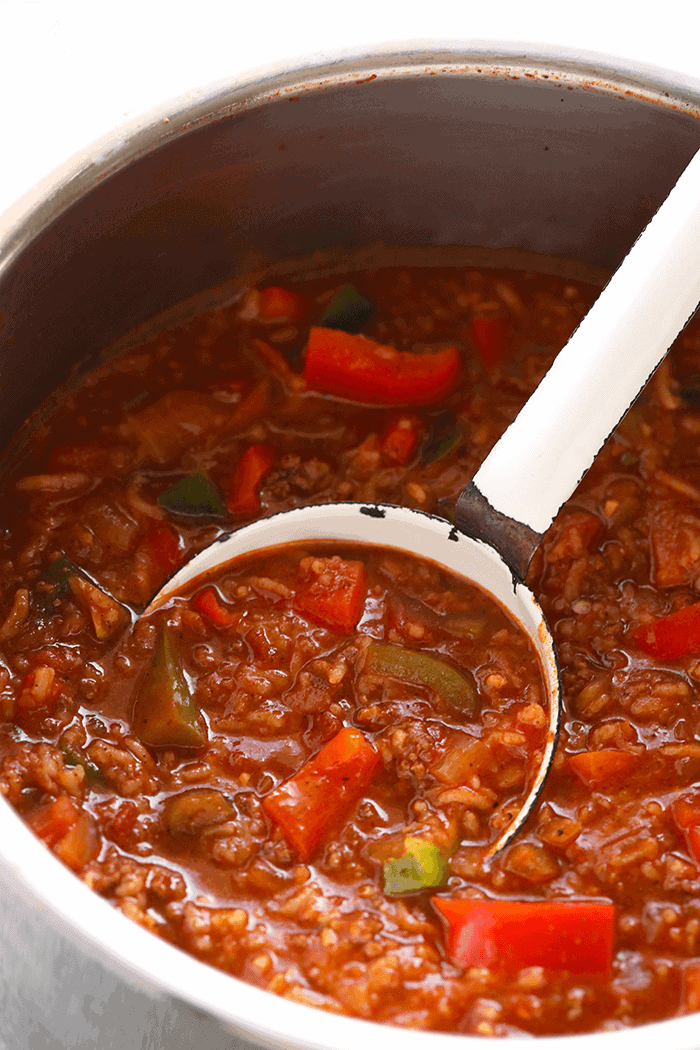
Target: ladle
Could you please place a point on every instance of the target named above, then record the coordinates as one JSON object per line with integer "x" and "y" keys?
{"x": 502, "y": 514}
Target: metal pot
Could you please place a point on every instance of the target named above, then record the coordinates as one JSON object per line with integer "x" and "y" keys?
{"x": 552, "y": 152}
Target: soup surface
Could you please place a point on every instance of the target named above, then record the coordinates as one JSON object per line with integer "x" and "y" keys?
{"x": 176, "y": 762}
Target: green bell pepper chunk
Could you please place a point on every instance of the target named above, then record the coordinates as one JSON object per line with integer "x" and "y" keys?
{"x": 422, "y": 867}
{"x": 348, "y": 311}
{"x": 193, "y": 495}
{"x": 191, "y": 811}
{"x": 64, "y": 577}
{"x": 465, "y": 627}
{"x": 59, "y": 573}
{"x": 165, "y": 714}
{"x": 54, "y": 584}
{"x": 411, "y": 665}
{"x": 92, "y": 772}
{"x": 690, "y": 390}
{"x": 445, "y": 435}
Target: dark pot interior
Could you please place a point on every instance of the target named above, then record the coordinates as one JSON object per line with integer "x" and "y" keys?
{"x": 426, "y": 154}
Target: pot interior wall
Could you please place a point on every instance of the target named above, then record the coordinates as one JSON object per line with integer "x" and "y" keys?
{"x": 409, "y": 160}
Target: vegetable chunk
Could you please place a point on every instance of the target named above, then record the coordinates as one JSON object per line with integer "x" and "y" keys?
{"x": 165, "y": 714}
{"x": 596, "y": 767}
{"x": 574, "y": 936}
{"x": 357, "y": 368}
{"x": 317, "y": 799}
{"x": 332, "y": 591}
{"x": 490, "y": 337}
{"x": 107, "y": 615}
{"x": 672, "y": 636}
{"x": 70, "y": 832}
{"x": 348, "y": 311}
{"x": 410, "y": 665}
{"x": 243, "y": 498}
{"x": 193, "y": 495}
{"x": 423, "y": 866}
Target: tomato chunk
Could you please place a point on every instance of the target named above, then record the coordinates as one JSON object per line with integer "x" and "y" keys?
{"x": 686, "y": 811}
{"x": 80, "y": 845}
{"x": 243, "y": 498}
{"x": 595, "y": 767}
{"x": 70, "y": 832}
{"x": 490, "y": 336}
{"x": 278, "y": 304}
{"x": 207, "y": 602}
{"x": 400, "y": 439}
{"x": 317, "y": 799}
{"x": 332, "y": 591}
{"x": 40, "y": 688}
{"x": 672, "y": 636}
{"x": 691, "y": 988}
{"x": 575, "y": 936}
{"x": 357, "y": 368}
{"x": 693, "y": 836}
{"x": 675, "y": 541}
{"x": 52, "y": 821}
{"x": 686, "y": 814}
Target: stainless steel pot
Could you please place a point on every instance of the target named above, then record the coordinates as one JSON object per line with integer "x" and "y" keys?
{"x": 551, "y": 152}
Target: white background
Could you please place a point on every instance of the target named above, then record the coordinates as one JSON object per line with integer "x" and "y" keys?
{"x": 72, "y": 71}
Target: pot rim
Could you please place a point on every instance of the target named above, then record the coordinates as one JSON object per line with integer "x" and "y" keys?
{"x": 572, "y": 67}
{"x": 67, "y": 904}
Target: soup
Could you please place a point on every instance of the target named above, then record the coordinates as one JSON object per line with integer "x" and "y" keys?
{"x": 308, "y": 803}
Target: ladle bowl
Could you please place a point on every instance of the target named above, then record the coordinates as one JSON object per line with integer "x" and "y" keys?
{"x": 427, "y": 536}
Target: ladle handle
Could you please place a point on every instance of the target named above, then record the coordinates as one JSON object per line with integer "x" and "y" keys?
{"x": 539, "y": 461}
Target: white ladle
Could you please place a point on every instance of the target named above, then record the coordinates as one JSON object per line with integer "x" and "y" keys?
{"x": 539, "y": 461}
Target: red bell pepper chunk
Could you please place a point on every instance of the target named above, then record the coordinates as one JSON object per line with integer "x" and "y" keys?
{"x": 359, "y": 369}
{"x": 400, "y": 439}
{"x": 243, "y": 498}
{"x": 691, "y": 988}
{"x": 164, "y": 549}
{"x": 576, "y": 936}
{"x": 595, "y": 767}
{"x": 317, "y": 799}
{"x": 278, "y": 304}
{"x": 207, "y": 602}
{"x": 693, "y": 836}
{"x": 686, "y": 811}
{"x": 491, "y": 337}
{"x": 672, "y": 636}
{"x": 335, "y": 595}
